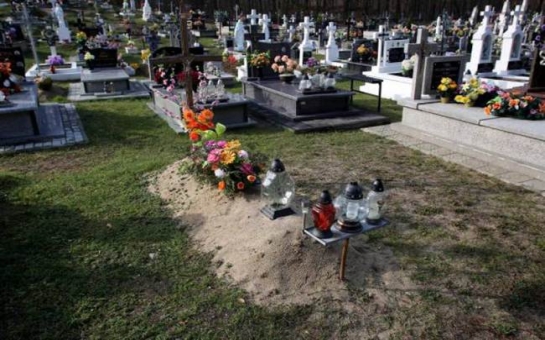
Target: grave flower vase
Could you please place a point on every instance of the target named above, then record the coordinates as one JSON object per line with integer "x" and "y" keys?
{"x": 287, "y": 78}
{"x": 445, "y": 100}
{"x": 90, "y": 64}
{"x": 260, "y": 72}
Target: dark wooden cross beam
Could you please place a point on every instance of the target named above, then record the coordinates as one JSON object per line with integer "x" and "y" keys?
{"x": 186, "y": 58}
{"x": 422, "y": 48}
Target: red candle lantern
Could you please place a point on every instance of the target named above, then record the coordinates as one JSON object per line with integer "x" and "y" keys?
{"x": 323, "y": 215}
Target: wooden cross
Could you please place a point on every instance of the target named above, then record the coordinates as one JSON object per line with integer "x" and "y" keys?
{"x": 186, "y": 58}
{"x": 422, "y": 48}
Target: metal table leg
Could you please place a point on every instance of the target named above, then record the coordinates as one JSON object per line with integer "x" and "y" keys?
{"x": 343, "y": 258}
{"x": 379, "y": 96}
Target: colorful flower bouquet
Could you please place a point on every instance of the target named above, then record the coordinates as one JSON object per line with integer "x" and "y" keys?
{"x": 284, "y": 65}
{"x": 218, "y": 161}
{"x": 514, "y": 105}
{"x": 446, "y": 89}
{"x": 475, "y": 93}
{"x": 407, "y": 66}
{"x": 260, "y": 59}
{"x": 365, "y": 53}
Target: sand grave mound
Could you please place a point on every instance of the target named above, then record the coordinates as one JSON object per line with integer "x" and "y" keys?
{"x": 272, "y": 260}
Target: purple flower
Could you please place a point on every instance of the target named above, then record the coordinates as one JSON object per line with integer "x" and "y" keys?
{"x": 55, "y": 60}
{"x": 221, "y": 144}
{"x": 247, "y": 169}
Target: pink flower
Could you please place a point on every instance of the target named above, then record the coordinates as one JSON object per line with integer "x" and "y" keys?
{"x": 277, "y": 59}
{"x": 275, "y": 67}
{"x": 221, "y": 144}
{"x": 285, "y": 58}
{"x": 214, "y": 156}
{"x": 281, "y": 69}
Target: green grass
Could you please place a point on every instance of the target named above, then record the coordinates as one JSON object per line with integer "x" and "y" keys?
{"x": 77, "y": 227}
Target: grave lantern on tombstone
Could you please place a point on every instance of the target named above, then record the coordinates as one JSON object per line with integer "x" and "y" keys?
{"x": 323, "y": 216}
{"x": 278, "y": 189}
{"x": 351, "y": 210}
{"x": 375, "y": 202}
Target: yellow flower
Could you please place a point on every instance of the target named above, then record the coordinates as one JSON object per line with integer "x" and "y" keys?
{"x": 442, "y": 88}
{"x": 234, "y": 144}
{"x": 227, "y": 156}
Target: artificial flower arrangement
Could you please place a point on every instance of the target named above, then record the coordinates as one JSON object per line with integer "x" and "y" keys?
{"x": 284, "y": 65}
{"x": 216, "y": 160}
{"x": 475, "y": 93}
{"x": 81, "y": 38}
{"x": 54, "y": 60}
{"x": 144, "y": 55}
{"x": 516, "y": 105}
{"x": 366, "y": 53}
{"x": 260, "y": 59}
{"x": 8, "y": 82}
{"x": 407, "y": 66}
{"x": 447, "y": 88}
{"x": 230, "y": 63}
{"x": 89, "y": 56}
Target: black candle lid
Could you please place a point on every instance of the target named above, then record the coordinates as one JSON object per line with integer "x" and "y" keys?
{"x": 377, "y": 185}
{"x": 353, "y": 191}
{"x": 277, "y": 166}
{"x": 325, "y": 197}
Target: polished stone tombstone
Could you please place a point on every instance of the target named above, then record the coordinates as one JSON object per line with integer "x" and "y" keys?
{"x": 438, "y": 67}
{"x": 510, "y": 61}
{"x": 536, "y": 86}
{"x": 481, "y": 52}
{"x": 105, "y": 77}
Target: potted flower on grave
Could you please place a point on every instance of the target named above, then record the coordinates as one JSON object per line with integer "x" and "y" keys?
{"x": 516, "y": 105}
{"x": 89, "y": 59}
{"x": 471, "y": 91}
{"x": 220, "y": 162}
{"x": 81, "y": 40}
{"x": 365, "y": 53}
{"x": 144, "y": 55}
{"x": 259, "y": 60}
{"x": 53, "y": 61}
{"x": 446, "y": 89}
{"x": 285, "y": 67}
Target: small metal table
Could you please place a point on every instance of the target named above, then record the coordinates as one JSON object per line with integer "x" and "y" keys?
{"x": 339, "y": 235}
{"x": 365, "y": 79}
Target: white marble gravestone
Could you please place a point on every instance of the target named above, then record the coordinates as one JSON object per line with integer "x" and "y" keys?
{"x": 511, "y": 47}
{"x": 62, "y": 31}
{"x": 265, "y": 21}
{"x": 331, "y": 49}
{"x": 239, "y": 36}
{"x": 146, "y": 11}
{"x": 306, "y": 44}
{"x": 483, "y": 39}
{"x": 253, "y": 16}
{"x": 291, "y": 32}
{"x": 390, "y": 54}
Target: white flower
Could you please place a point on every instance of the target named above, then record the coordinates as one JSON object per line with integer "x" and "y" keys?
{"x": 2, "y": 96}
{"x": 243, "y": 154}
{"x": 6, "y": 83}
{"x": 219, "y": 173}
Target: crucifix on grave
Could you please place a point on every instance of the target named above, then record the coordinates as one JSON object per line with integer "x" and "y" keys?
{"x": 186, "y": 58}
{"x": 422, "y": 48}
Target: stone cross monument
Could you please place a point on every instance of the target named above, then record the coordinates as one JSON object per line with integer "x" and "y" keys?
{"x": 305, "y": 45}
{"x": 331, "y": 49}
{"x": 421, "y": 49}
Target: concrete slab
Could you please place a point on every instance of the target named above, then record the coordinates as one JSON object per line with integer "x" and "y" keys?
{"x": 514, "y": 177}
{"x": 527, "y": 128}
{"x": 473, "y": 115}
{"x": 534, "y": 185}
{"x": 137, "y": 89}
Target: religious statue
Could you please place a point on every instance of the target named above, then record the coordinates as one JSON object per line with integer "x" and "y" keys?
{"x": 239, "y": 35}
{"x": 146, "y": 11}
{"x": 125, "y": 6}
{"x": 59, "y": 13}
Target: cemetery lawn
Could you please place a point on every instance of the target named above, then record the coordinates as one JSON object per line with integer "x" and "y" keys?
{"x": 77, "y": 227}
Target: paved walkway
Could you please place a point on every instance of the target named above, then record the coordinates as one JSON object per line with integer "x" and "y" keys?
{"x": 489, "y": 164}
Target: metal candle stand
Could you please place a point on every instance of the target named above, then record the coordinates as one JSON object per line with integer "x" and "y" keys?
{"x": 339, "y": 235}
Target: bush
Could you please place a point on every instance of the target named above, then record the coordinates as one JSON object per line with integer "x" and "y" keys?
{"x": 44, "y": 84}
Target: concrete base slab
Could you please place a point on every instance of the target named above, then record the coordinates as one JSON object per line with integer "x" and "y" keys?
{"x": 67, "y": 130}
{"x": 137, "y": 89}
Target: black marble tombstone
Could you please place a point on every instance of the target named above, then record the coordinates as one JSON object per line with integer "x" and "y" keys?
{"x": 172, "y": 51}
{"x": 536, "y": 87}
{"x": 104, "y": 57}
{"x": 13, "y": 55}
{"x": 355, "y": 57}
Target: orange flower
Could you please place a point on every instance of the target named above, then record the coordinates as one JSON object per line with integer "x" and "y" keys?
{"x": 251, "y": 178}
{"x": 240, "y": 186}
{"x": 542, "y": 107}
{"x": 496, "y": 106}
{"x": 194, "y": 136}
{"x": 189, "y": 115}
{"x": 487, "y": 110}
{"x": 221, "y": 185}
{"x": 207, "y": 114}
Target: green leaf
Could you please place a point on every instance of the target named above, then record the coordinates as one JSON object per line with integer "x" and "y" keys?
{"x": 220, "y": 129}
{"x": 208, "y": 135}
